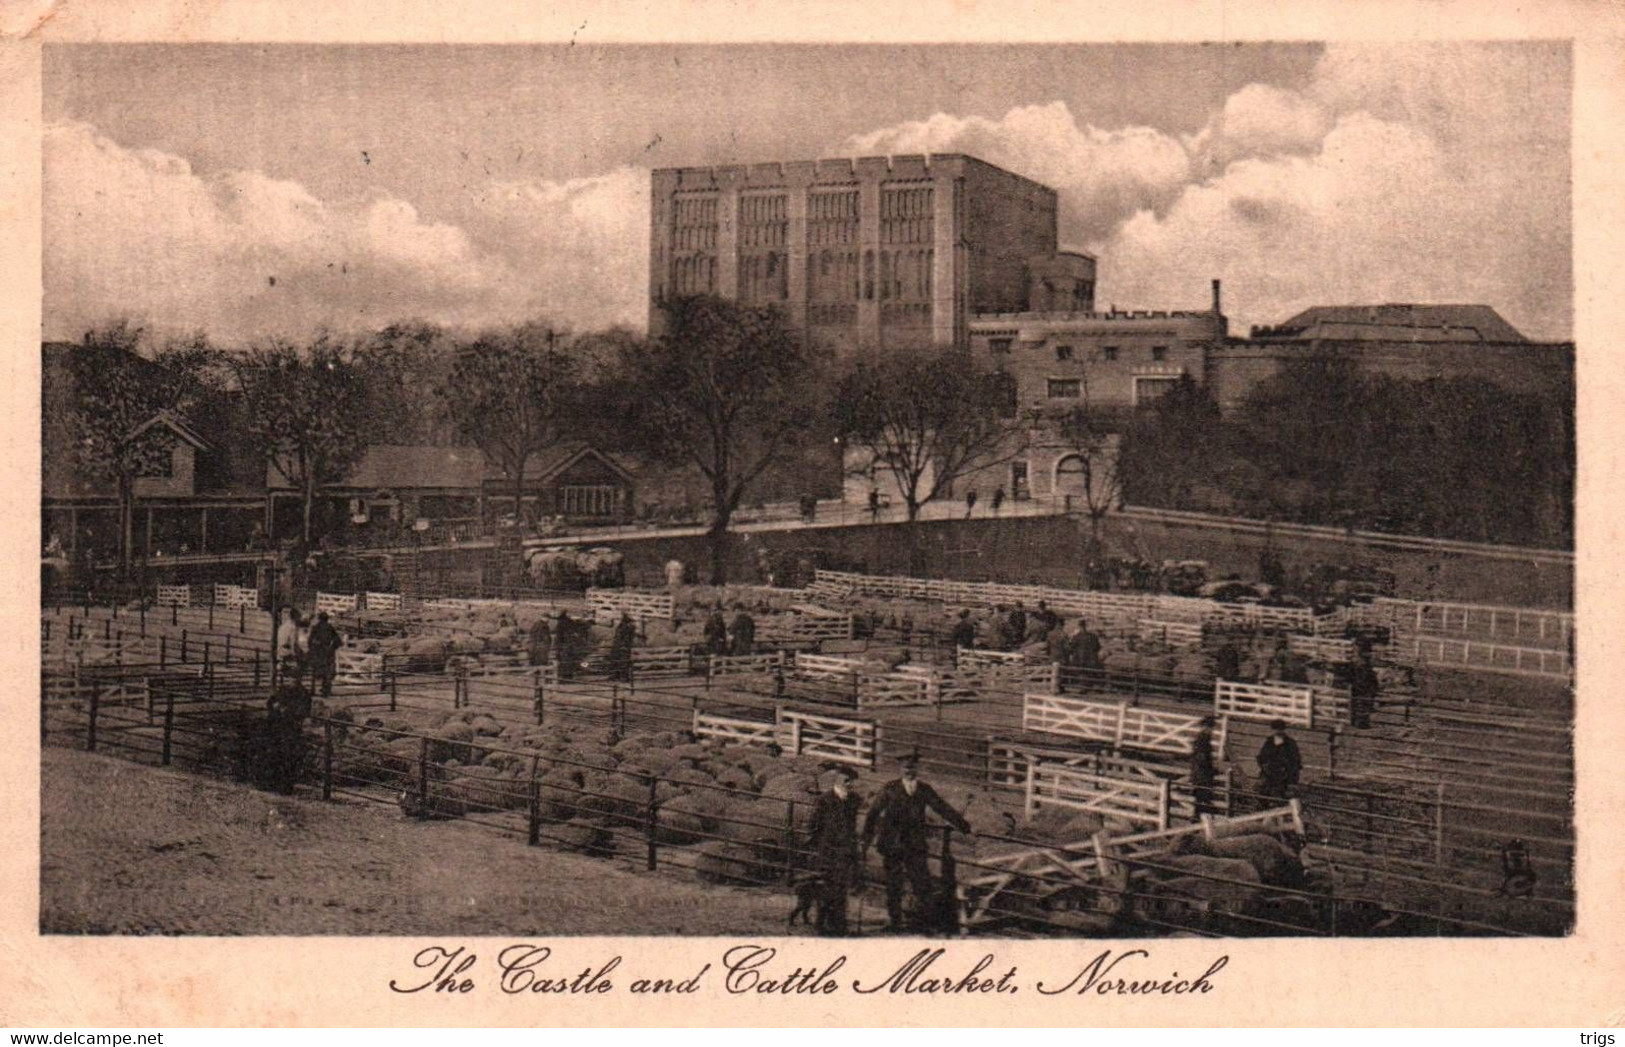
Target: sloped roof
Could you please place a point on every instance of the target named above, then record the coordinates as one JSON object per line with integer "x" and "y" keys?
{"x": 558, "y": 458}
{"x": 406, "y": 466}
{"x": 175, "y": 425}
{"x": 1397, "y": 322}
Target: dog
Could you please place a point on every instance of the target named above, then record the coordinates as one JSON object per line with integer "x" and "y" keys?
{"x": 808, "y": 893}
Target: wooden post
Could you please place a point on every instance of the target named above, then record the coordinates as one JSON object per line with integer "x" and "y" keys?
{"x": 533, "y": 834}
{"x": 95, "y": 711}
{"x": 394, "y": 684}
{"x": 1331, "y": 752}
{"x": 1438, "y": 825}
{"x": 256, "y": 669}
{"x": 206, "y": 653}
{"x": 107, "y": 628}
{"x": 183, "y": 647}
{"x": 163, "y": 652}
{"x": 423, "y": 777}
{"x": 790, "y": 841}
{"x": 242, "y": 620}
{"x": 653, "y": 819}
{"x": 327, "y": 759}
{"x": 211, "y": 616}
{"x": 143, "y": 621}
{"x": 1162, "y": 803}
{"x": 538, "y": 697}
{"x": 174, "y": 614}
{"x": 169, "y": 721}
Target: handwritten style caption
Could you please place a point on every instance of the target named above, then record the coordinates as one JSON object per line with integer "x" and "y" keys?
{"x": 759, "y": 970}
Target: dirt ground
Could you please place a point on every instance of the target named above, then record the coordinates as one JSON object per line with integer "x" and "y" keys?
{"x": 127, "y": 849}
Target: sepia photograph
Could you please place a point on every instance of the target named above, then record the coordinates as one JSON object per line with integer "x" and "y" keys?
{"x": 952, "y": 491}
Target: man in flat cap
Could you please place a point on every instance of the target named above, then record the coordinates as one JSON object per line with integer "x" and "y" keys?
{"x": 1279, "y": 763}
{"x": 833, "y": 840}
{"x": 896, "y": 822}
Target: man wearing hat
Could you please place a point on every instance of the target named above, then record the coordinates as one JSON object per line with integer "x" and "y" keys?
{"x": 896, "y": 822}
{"x": 1278, "y": 763}
{"x": 324, "y": 644}
{"x": 833, "y": 840}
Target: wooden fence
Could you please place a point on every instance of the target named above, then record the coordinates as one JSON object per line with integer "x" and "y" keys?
{"x": 337, "y": 603}
{"x": 174, "y": 596}
{"x": 236, "y": 596}
{"x": 385, "y": 603}
{"x": 735, "y": 730}
{"x": 878, "y": 690}
{"x": 1292, "y": 703}
{"x": 1129, "y": 799}
{"x": 1321, "y": 648}
{"x": 607, "y": 605}
{"x": 1445, "y": 653}
{"x": 1170, "y": 634}
{"x": 855, "y": 742}
{"x": 1117, "y": 724}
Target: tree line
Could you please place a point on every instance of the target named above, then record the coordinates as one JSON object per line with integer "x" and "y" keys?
{"x": 729, "y": 391}
{"x": 1324, "y": 442}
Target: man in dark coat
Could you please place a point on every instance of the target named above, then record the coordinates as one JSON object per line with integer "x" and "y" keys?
{"x": 323, "y": 645}
{"x": 743, "y": 631}
{"x": 1018, "y": 625}
{"x": 564, "y": 645}
{"x": 620, "y": 648}
{"x": 1203, "y": 771}
{"x": 1363, "y": 688}
{"x": 833, "y": 840}
{"x": 1047, "y": 615}
{"x": 896, "y": 824}
{"x": 285, "y": 715}
{"x": 716, "y": 632}
{"x": 1227, "y": 662}
{"x": 541, "y": 642}
{"x": 1278, "y": 763}
{"x": 1085, "y": 648}
{"x": 964, "y": 632}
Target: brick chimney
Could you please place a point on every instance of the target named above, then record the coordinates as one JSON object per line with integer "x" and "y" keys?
{"x": 1216, "y": 308}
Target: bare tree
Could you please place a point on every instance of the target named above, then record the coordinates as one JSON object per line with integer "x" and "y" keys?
{"x": 1092, "y": 438}
{"x": 728, "y": 389}
{"x": 512, "y": 393}
{"x": 928, "y": 417}
{"x": 304, "y": 404}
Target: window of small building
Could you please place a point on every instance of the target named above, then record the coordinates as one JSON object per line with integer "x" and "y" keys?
{"x": 1063, "y": 353}
{"x": 1108, "y": 353}
{"x": 1159, "y": 353}
{"x": 1065, "y": 388}
{"x": 1000, "y": 346}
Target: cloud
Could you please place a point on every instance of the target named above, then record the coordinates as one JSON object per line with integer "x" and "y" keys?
{"x": 138, "y": 233}
{"x": 1434, "y": 172}
{"x": 1102, "y": 176}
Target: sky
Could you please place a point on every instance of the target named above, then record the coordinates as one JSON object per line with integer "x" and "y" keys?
{"x": 257, "y": 191}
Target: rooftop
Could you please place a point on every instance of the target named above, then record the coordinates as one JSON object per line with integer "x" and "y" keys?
{"x": 1395, "y": 322}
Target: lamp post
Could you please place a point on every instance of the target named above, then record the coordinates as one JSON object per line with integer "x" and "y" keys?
{"x": 840, "y": 476}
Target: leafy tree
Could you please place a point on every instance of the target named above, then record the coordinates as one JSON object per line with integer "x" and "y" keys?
{"x": 928, "y": 417}
{"x": 116, "y": 392}
{"x": 729, "y": 389}
{"x": 304, "y": 405}
{"x": 1172, "y": 447}
{"x": 395, "y": 365}
{"x": 513, "y": 393}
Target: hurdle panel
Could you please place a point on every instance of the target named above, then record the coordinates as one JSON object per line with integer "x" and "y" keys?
{"x": 735, "y": 730}
{"x": 889, "y": 690}
{"x": 1073, "y": 717}
{"x": 337, "y": 603}
{"x": 1265, "y": 701}
{"x": 609, "y": 604}
{"x": 358, "y": 666}
{"x": 174, "y": 596}
{"x": 1152, "y": 730}
{"x": 831, "y": 667}
{"x": 1171, "y": 634}
{"x": 1321, "y": 648}
{"x": 660, "y": 661}
{"x": 976, "y": 658}
{"x": 832, "y": 737}
{"x": 719, "y": 665}
{"x": 385, "y": 603}
{"x": 1130, "y": 799}
{"x": 1445, "y": 653}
